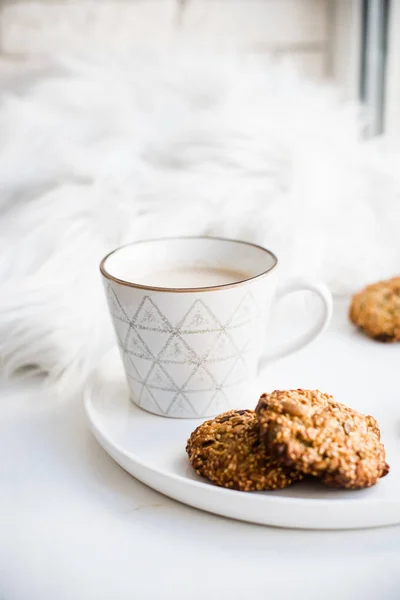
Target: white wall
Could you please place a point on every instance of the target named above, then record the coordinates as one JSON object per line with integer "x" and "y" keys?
{"x": 304, "y": 30}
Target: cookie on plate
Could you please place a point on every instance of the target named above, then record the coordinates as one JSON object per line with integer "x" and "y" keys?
{"x": 227, "y": 451}
{"x": 376, "y": 310}
{"x": 309, "y": 431}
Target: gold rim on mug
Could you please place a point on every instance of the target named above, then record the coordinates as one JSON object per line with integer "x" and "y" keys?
{"x": 223, "y": 286}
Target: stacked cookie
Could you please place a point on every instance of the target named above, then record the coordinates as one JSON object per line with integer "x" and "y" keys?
{"x": 290, "y": 435}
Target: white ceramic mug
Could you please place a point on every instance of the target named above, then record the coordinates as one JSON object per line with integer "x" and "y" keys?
{"x": 195, "y": 352}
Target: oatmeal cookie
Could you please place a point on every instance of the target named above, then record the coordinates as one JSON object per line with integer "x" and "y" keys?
{"x": 309, "y": 431}
{"x": 227, "y": 450}
{"x": 376, "y": 310}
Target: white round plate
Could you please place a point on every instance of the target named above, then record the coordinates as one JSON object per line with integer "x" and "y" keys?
{"x": 152, "y": 449}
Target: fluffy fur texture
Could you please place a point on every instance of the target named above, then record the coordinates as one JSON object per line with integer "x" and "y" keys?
{"x": 100, "y": 152}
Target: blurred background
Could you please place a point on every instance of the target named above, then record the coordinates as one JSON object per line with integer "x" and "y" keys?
{"x": 353, "y": 43}
{"x": 129, "y": 119}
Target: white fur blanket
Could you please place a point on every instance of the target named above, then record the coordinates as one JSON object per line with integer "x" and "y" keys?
{"x": 101, "y": 152}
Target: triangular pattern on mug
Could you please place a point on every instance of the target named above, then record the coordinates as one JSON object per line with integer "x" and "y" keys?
{"x": 203, "y": 341}
{"x": 199, "y": 318}
{"x": 159, "y": 378}
{"x": 135, "y": 346}
{"x": 180, "y": 407}
{"x": 142, "y": 365}
{"x": 116, "y": 308}
{"x": 244, "y": 312}
{"x": 180, "y": 373}
{"x": 122, "y": 328}
{"x": 135, "y": 388}
{"x": 219, "y": 404}
{"x": 149, "y": 316}
{"x": 201, "y": 402}
{"x": 156, "y": 340}
{"x": 177, "y": 351}
{"x": 131, "y": 369}
{"x": 223, "y": 370}
{"x": 237, "y": 374}
{"x": 200, "y": 381}
{"x": 243, "y": 338}
{"x": 222, "y": 349}
{"x": 148, "y": 400}
{"x": 164, "y": 398}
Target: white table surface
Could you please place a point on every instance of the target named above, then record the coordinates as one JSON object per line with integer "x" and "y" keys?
{"x": 75, "y": 526}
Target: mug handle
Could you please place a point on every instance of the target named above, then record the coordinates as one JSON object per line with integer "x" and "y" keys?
{"x": 298, "y": 285}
